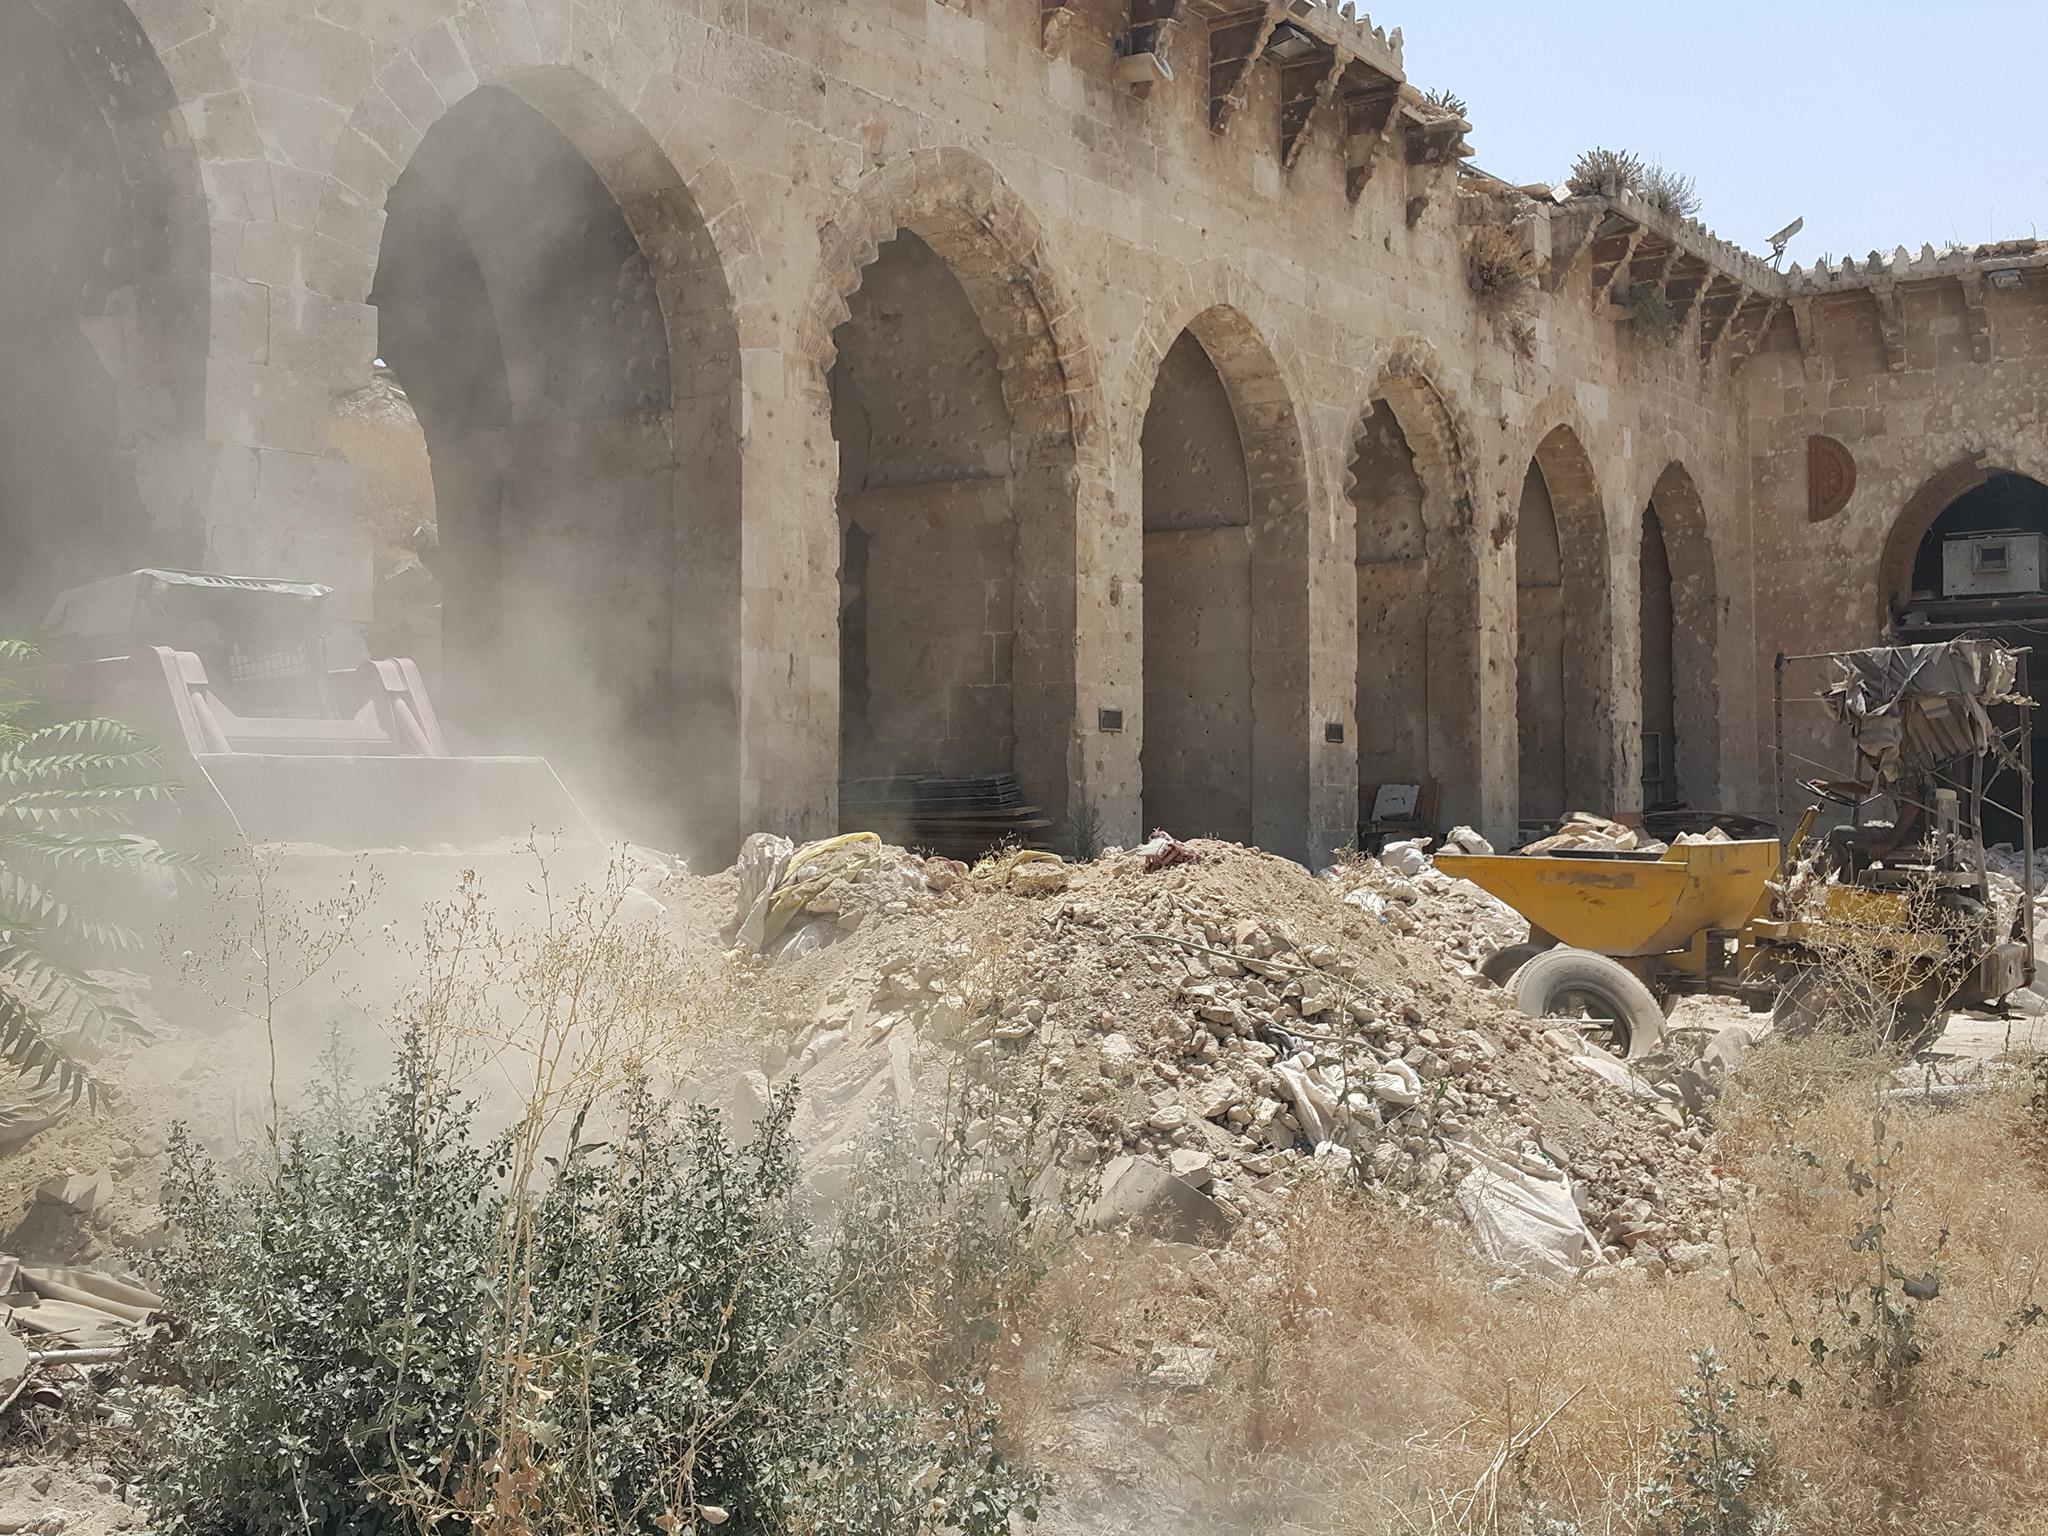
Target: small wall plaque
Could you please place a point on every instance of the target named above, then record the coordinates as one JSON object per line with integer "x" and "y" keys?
{"x": 1109, "y": 720}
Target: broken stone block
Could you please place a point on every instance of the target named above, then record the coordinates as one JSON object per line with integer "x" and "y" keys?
{"x": 82, "y": 1193}
{"x": 1141, "y": 1196}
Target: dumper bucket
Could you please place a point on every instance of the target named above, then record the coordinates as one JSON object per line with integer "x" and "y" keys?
{"x": 1627, "y": 904}
{"x": 461, "y": 805}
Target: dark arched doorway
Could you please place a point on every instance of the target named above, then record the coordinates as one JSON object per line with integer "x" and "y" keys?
{"x": 568, "y": 347}
{"x": 928, "y": 530}
{"x": 1563, "y": 708}
{"x": 1981, "y": 569}
{"x": 1657, "y": 643}
{"x": 1418, "y": 669}
{"x": 103, "y": 305}
{"x": 1197, "y": 755}
{"x": 1226, "y": 593}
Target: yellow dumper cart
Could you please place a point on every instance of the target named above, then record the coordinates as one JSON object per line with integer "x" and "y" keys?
{"x": 1615, "y": 939}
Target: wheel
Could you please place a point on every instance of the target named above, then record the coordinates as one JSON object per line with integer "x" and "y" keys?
{"x": 1605, "y": 997}
{"x": 1810, "y": 1000}
{"x": 1500, "y": 966}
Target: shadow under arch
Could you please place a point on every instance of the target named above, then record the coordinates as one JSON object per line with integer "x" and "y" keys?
{"x": 104, "y": 304}
{"x": 555, "y": 307}
{"x": 962, "y": 405}
{"x": 1226, "y": 588}
{"x": 1683, "y": 703}
{"x": 1564, "y": 702}
{"x": 1419, "y": 664}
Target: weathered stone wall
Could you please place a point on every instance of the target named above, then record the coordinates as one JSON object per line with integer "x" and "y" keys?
{"x": 1933, "y": 380}
{"x": 762, "y": 157}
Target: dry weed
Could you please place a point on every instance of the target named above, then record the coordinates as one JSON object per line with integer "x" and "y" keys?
{"x": 1499, "y": 270}
{"x": 1369, "y": 1378}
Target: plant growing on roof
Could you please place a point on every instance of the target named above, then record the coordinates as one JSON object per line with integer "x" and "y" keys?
{"x": 1447, "y": 101}
{"x": 1670, "y": 192}
{"x": 1651, "y": 313}
{"x": 1606, "y": 173}
{"x": 68, "y": 791}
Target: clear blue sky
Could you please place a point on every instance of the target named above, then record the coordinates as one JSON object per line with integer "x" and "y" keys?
{"x": 1883, "y": 123}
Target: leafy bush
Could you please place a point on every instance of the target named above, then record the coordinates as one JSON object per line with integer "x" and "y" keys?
{"x": 382, "y": 1335}
{"x": 68, "y": 791}
{"x": 1447, "y": 101}
{"x": 1651, "y": 313}
{"x": 1711, "y": 1464}
{"x": 1611, "y": 172}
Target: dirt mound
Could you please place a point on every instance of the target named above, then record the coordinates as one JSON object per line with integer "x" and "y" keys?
{"x": 1225, "y": 1016}
{"x": 1196, "y": 1024}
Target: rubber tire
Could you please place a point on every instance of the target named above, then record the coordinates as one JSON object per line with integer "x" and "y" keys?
{"x": 1636, "y": 1016}
{"x": 1500, "y": 966}
{"x": 1801, "y": 1008}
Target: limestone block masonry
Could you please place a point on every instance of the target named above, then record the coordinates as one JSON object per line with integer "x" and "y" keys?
{"x": 786, "y": 375}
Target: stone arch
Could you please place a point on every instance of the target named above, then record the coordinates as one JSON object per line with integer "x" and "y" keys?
{"x": 557, "y": 307}
{"x": 1419, "y": 663}
{"x": 104, "y": 301}
{"x": 1687, "y": 627}
{"x": 1564, "y": 703}
{"x": 581, "y": 89}
{"x": 1269, "y": 569}
{"x": 948, "y": 214}
{"x": 1924, "y": 508}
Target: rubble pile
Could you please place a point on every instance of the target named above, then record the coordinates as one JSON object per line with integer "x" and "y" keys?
{"x": 1403, "y": 888}
{"x": 1184, "y": 1031}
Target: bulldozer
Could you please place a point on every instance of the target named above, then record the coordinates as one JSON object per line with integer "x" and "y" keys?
{"x": 1900, "y": 890}
{"x": 284, "y": 732}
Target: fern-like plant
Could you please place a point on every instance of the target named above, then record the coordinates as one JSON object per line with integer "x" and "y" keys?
{"x": 69, "y": 789}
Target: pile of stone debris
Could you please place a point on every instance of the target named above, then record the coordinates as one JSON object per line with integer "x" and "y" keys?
{"x": 68, "y": 1334}
{"x": 1180, "y": 1033}
{"x": 1403, "y": 888}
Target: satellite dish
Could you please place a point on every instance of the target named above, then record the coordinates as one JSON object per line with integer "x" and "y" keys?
{"x": 1783, "y": 238}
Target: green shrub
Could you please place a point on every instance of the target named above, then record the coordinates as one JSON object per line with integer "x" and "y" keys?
{"x": 381, "y": 1336}
{"x": 68, "y": 790}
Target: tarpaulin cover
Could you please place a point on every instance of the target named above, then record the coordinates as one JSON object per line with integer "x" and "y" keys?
{"x": 1921, "y": 705}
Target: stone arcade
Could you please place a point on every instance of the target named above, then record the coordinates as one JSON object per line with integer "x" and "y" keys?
{"x": 1090, "y": 390}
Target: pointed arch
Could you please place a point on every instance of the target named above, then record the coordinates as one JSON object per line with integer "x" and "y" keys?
{"x": 555, "y": 305}
{"x": 1419, "y": 641}
{"x": 1565, "y": 704}
{"x": 1260, "y": 558}
{"x": 1693, "y": 612}
{"x": 1008, "y": 680}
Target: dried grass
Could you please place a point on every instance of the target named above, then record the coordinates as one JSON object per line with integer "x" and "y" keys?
{"x": 1370, "y": 1379}
{"x": 1499, "y": 270}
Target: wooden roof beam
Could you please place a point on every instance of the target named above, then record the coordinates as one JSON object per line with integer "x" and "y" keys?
{"x": 1237, "y": 41}
{"x": 1367, "y": 99}
{"x": 1306, "y": 86}
{"x": 1717, "y": 305}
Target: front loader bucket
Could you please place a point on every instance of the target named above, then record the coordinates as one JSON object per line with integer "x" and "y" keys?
{"x": 437, "y": 805}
